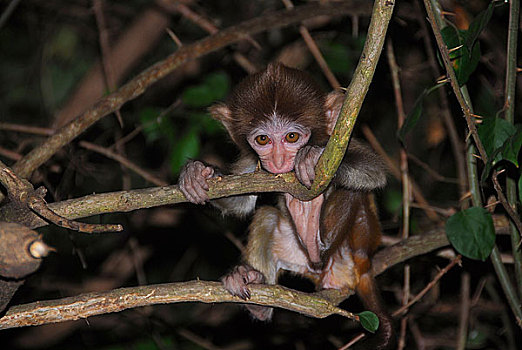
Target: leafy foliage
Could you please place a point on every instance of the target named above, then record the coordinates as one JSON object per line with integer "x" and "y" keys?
{"x": 369, "y": 321}
{"x": 465, "y": 59}
{"x": 463, "y": 45}
{"x": 479, "y": 23}
{"x": 471, "y": 232}
{"x": 501, "y": 140}
{"x": 187, "y": 144}
{"x": 413, "y": 117}
{"x": 214, "y": 87}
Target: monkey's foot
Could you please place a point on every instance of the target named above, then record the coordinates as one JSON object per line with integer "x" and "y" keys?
{"x": 237, "y": 280}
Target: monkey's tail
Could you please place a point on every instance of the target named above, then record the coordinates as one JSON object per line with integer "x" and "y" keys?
{"x": 384, "y": 338}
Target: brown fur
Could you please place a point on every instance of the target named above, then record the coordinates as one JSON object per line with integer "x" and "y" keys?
{"x": 289, "y": 92}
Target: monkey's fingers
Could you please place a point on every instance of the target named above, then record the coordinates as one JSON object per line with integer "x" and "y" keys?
{"x": 304, "y": 169}
{"x": 203, "y": 175}
{"x": 192, "y": 190}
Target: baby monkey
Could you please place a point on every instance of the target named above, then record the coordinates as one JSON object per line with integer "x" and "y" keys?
{"x": 281, "y": 119}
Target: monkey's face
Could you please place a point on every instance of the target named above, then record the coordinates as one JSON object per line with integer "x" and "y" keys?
{"x": 277, "y": 144}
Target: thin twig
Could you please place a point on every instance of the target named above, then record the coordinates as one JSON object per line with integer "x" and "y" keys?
{"x": 22, "y": 193}
{"x": 462, "y": 334}
{"x": 406, "y": 185}
{"x": 103, "y": 37}
{"x": 355, "y": 340}
{"x": 428, "y": 287}
{"x": 507, "y": 207}
{"x": 314, "y": 49}
{"x": 8, "y": 12}
{"x": 417, "y": 193}
{"x": 509, "y": 106}
{"x": 124, "y": 161}
{"x": 37, "y": 204}
{"x": 27, "y": 129}
{"x": 434, "y": 174}
{"x": 10, "y": 154}
{"x": 210, "y": 28}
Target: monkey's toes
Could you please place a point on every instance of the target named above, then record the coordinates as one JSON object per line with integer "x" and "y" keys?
{"x": 237, "y": 281}
{"x": 236, "y": 285}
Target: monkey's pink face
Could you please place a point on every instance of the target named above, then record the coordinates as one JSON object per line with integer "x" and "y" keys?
{"x": 277, "y": 145}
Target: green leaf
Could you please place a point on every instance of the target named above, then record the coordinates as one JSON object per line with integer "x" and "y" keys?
{"x": 490, "y": 164}
{"x": 198, "y": 96}
{"x": 465, "y": 60}
{"x": 215, "y": 87}
{"x": 478, "y": 337}
{"x": 467, "y": 63}
{"x": 478, "y": 24}
{"x": 211, "y": 126}
{"x": 155, "y": 127}
{"x": 337, "y": 57}
{"x": 369, "y": 321}
{"x": 471, "y": 232}
{"x": 451, "y": 38}
{"x": 392, "y": 200}
{"x": 511, "y": 147}
{"x": 413, "y": 117}
{"x": 150, "y": 125}
{"x": 219, "y": 85}
{"x": 486, "y": 101}
{"x": 183, "y": 149}
{"x": 64, "y": 44}
{"x": 493, "y": 132}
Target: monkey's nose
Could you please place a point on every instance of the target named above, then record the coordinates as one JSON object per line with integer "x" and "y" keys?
{"x": 279, "y": 162}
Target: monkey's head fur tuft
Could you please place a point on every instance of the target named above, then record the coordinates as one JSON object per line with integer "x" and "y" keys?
{"x": 290, "y": 94}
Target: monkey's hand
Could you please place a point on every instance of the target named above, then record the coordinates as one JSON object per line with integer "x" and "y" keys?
{"x": 237, "y": 280}
{"x": 305, "y": 162}
{"x": 193, "y": 181}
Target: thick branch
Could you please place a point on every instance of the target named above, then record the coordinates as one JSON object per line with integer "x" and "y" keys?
{"x": 313, "y": 305}
{"x": 126, "y": 201}
{"x": 320, "y": 305}
{"x": 356, "y": 92}
{"x": 91, "y": 304}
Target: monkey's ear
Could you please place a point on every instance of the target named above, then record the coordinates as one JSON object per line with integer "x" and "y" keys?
{"x": 222, "y": 113}
{"x": 334, "y": 102}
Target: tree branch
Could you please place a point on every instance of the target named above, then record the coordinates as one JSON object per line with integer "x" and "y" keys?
{"x": 320, "y": 304}
{"x": 356, "y": 92}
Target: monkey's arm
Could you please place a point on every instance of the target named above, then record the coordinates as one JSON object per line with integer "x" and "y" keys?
{"x": 193, "y": 183}
{"x": 360, "y": 170}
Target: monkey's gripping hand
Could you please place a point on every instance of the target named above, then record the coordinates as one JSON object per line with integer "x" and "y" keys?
{"x": 237, "y": 281}
{"x": 193, "y": 181}
{"x": 305, "y": 162}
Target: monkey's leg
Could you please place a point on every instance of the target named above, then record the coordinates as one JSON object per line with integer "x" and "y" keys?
{"x": 271, "y": 245}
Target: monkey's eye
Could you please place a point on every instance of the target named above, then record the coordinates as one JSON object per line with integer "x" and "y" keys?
{"x": 262, "y": 139}
{"x": 292, "y": 137}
